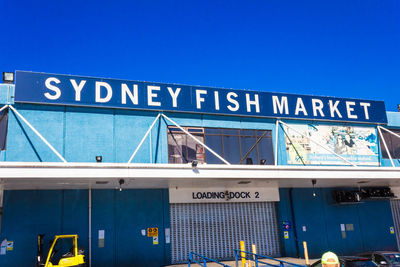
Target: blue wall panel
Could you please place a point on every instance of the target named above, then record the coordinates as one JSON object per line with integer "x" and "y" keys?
{"x": 285, "y": 215}
{"x": 375, "y": 219}
{"x": 123, "y": 216}
{"x": 75, "y": 215}
{"x": 89, "y": 133}
{"x": 48, "y": 120}
{"x": 337, "y": 215}
{"x": 29, "y": 213}
{"x": 130, "y": 128}
{"x": 135, "y": 211}
{"x": 103, "y": 218}
{"x": 309, "y": 212}
{"x": 366, "y": 225}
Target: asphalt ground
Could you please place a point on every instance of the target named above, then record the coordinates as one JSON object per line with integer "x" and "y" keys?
{"x": 233, "y": 263}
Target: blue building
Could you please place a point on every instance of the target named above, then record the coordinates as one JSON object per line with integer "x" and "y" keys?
{"x": 146, "y": 172}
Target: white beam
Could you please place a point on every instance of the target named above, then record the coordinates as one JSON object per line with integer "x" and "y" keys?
{"x": 38, "y": 134}
{"x": 384, "y": 143}
{"x": 395, "y": 134}
{"x": 144, "y": 138}
{"x": 93, "y": 171}
{"x": 5, "y": 106}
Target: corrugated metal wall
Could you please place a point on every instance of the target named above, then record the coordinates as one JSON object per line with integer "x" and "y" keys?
{"x": 395, "y": 204}
{"x": 214, "y": 230}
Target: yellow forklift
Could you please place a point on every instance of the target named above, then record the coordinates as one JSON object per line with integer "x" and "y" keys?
{"x": 63, "y": 252}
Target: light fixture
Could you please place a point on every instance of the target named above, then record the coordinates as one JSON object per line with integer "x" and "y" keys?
{"x": 263, "y": 161}
{"x": 194, "y": 163}
{"x": 8, "y": 77}
{"x": 313, "y": 181}
{"x": 249, "y": 161}
{"x": 121, "y": 182}
{"x": 101, "y": 182}
{"x": 99, "y": 158}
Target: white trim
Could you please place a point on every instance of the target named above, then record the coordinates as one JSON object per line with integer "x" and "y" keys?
{"x": 5, "y": 106}
{"x": 315, "y": 142}
{"x": 197, "y": 140}
{"x": 144, "y": 138}
{"x": 395, "y": 134}
{"x": 33, "y": 170}
{"x": 38, "y": 134}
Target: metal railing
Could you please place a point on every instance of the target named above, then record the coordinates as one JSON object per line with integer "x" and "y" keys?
{"x": 256, "y": 258}
{"x": 203, "y": 260}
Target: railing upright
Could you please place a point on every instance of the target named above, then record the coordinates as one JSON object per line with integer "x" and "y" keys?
{"x": 257, "y": 259}
{"x": 236, "y": 258}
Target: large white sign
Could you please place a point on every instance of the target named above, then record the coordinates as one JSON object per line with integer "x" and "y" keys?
{"x": 223, "y": 195}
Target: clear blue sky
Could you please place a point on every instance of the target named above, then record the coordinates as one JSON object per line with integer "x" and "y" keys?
{"x": 343, "y": 48}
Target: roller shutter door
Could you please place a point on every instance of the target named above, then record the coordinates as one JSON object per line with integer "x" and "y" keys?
{"x": 214, "y": 230}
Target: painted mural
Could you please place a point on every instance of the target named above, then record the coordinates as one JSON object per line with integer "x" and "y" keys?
{"x": 358, "y": 145}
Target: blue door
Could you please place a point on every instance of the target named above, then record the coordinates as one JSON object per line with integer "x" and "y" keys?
{"x": 124, "y": 218}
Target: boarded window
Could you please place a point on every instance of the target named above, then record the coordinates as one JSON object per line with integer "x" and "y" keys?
{"x": 392, "y": 142}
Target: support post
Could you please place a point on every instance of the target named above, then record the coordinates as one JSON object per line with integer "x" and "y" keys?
{"x": 243, "y": 253}
{"x": 254, "y": 250}
{"x": 276, "y": 142}
{"x": 306, "y": 253}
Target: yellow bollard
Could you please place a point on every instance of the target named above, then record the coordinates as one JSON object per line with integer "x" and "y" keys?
{"x": 254, "y": 250}
{"x": 306, "y": 253}
{"x": 243, "y": 254}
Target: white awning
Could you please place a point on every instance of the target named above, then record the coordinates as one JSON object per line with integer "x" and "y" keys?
{"x": 30, "y": 175}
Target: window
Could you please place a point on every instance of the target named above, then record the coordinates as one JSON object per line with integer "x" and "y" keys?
{"x": 237, "y": 146}
{"x": 392, "y": 142}
{"x": 182, "y": 148}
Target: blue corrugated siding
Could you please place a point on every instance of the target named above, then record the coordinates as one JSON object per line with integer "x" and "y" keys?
{"x": 322, "y": 218}
{"x": 29, "y": 213}
{"x": 121, "y": 214}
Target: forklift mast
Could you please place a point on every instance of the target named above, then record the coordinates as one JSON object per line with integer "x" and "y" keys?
{"x": 40, "y": 254}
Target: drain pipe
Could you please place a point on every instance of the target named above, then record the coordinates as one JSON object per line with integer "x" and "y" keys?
{"x": 294, "y": 222}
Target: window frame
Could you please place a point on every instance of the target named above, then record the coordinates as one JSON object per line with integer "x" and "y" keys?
{"x": 241, "y": 134}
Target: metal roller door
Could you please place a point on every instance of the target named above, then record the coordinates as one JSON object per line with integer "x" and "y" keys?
{"x": 214, "y": 230}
